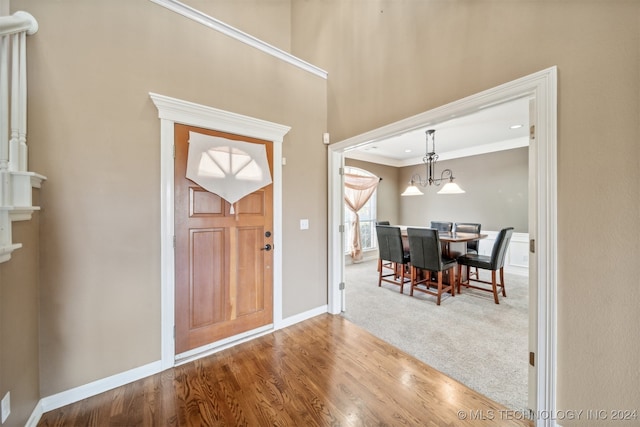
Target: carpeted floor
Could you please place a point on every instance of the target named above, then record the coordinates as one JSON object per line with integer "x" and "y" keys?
{"x": 468, "y": 337}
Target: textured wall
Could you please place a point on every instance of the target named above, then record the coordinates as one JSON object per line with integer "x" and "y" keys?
{"x": 391, "y": 59}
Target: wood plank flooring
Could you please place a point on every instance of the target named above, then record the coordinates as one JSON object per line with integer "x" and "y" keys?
{"x": 325, "y": 371}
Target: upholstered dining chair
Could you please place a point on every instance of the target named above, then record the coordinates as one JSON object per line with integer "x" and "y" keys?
{"x": 442, "y": 225}
{"x": 393, "y": 261}
{"x": 424, "y": 245}
{"x": 472, "y": 246}
{"x": 494, "y": 263}
{"x": 383, "y": 223}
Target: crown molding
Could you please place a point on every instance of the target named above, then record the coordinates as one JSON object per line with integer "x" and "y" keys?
{"x": 216, "y": 24}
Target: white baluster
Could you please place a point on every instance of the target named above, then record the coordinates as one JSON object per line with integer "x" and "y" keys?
{"x": 4, "y": 121}
{"x": 22, "y": 122}
{"x": 15, "y": 99}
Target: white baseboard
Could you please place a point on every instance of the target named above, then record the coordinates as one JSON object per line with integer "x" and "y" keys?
{"x": 34, "y": 419}
{"x": 76, "y": 394}
{"x": 292, "y": 320}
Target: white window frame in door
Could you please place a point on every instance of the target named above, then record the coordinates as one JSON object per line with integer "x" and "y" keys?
{"x": 541, "y": 86}
{"x": 170, "y": 112}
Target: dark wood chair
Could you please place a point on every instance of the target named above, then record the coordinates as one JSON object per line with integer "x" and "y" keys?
{"x": 494, "y": 263}
{"x": 424, "y": 245}
{"x": 442, "y": 225}
{"x": 472, "y": 246}
{"x": 393, "y": 261}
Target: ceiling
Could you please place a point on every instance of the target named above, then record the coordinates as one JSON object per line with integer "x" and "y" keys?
{"x": 484, "y": 131}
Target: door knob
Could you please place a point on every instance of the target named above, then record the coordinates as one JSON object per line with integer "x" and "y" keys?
{"x": 266, "y": 247}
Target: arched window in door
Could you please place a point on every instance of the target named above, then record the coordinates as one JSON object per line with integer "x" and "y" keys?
{"x": 360, "y": 211}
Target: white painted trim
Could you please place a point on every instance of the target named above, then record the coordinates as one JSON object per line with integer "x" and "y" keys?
{"x": 76, "y": 394}
{"x": 171, "y": 111}
{"x": 36, "y": 414}
{"x": 335, "y": 239}
{"x": 17, "y": 23}
{"x": 475, "y": 150}
{"x": 217, "y": 25}
{"x": 167, "y": 275}
{"x": 217, "y": 346}
{"x": 546, "y": 240}
{"x": 247, "y": 336}
{"x": 543, "y": 87}
{"x": 301, "y": 317}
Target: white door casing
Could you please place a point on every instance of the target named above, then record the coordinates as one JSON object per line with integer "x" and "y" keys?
{"x": 171, "y": 111}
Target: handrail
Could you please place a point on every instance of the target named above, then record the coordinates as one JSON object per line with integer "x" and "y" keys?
{"x": 17, "y": 23}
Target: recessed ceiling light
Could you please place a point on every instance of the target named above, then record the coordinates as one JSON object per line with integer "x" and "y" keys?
{"x": 408, "y": 150}
{"x": 515, "y": 127}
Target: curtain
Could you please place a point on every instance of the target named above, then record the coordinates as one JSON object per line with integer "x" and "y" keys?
{"x": 358, "y": 189}
{"x": 231, "y": 169}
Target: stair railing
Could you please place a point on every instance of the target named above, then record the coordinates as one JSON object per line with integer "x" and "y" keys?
{"x": 16, "y": 182}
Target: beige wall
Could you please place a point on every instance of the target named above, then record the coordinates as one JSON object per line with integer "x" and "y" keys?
{"x": 390, "y": 59}
{"x": 269, "y": 21}
{"x": 496, "y": 186}
{"x": 19, "y": 322}
{"x": 94, "y": 132}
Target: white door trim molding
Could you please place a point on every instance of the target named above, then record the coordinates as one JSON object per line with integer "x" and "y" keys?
{"x": 171, "y": 111}
{"x": 542, "y": 86}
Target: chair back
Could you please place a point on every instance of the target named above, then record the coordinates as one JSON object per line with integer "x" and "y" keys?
{"x": 468, "y": 227}
{"x": 442, "y": 225}
{"x": 383, "y": 223}
{"x": 390, "y": 243}
{"x": 500, "y": 246}
{"x": 425, "y": 249}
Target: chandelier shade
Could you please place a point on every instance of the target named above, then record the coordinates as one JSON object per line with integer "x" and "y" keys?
{"x": 430, "y": 158}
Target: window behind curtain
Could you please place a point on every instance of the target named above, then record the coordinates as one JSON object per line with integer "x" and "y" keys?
{"x": 368, "y": 218}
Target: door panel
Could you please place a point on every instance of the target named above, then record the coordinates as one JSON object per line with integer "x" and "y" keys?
{"x": 224, "y": 283}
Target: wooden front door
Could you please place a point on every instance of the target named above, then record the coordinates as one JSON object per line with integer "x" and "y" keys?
{"x": 224, "y": 280}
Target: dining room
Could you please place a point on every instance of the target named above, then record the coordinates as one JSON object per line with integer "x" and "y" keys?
{"x": 468, "y": 337}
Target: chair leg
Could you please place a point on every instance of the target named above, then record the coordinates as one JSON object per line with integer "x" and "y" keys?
{"x": 413, "y": 278}
{"x": 504, "y": 293}
{"x": 495, "y": 288}
{"x": 402, "y": 279}
{"x": 439, "y": 286}
{"x": 453, "y": 279}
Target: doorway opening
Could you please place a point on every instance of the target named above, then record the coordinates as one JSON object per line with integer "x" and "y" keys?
{"x": 541, "y": 88}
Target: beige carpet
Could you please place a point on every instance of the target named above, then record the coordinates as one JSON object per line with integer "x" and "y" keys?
{"x": 468, "y": 337}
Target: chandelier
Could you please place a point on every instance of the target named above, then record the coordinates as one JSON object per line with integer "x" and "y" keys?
{"x": 430, "y": 158}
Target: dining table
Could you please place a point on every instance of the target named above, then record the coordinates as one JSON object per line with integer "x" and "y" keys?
{"x": 454, "y": 244}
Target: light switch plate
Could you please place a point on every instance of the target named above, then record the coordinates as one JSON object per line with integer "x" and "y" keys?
{"x": 5, "y": 406}
{"x": 304, "y": 224}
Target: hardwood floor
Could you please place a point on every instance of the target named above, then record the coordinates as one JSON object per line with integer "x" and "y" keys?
{"x": 325, "y": 371}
